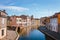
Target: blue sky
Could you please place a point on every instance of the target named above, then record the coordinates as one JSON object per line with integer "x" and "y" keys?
{"x": 38, "y": 8}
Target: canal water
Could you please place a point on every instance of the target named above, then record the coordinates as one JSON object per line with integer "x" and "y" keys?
{"x": 33, "y": 35}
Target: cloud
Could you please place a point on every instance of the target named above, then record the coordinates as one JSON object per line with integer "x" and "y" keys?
{"x": 16, "y": 8}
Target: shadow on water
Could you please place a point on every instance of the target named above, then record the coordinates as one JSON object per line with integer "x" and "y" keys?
{"x": 33, "y": 35}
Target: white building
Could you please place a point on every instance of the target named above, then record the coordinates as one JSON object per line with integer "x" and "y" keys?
{"x": 23, "y": 20}
{"x": 54, "y": 24}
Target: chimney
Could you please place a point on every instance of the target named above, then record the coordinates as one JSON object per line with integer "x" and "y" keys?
{"x": 3, "y": 10}
{"x": 32, "y": 16}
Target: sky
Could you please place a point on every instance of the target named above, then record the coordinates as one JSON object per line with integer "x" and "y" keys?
{"x": 37, "y": 8}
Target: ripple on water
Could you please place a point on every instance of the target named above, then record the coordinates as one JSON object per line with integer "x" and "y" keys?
{"x": 33, "y": 35}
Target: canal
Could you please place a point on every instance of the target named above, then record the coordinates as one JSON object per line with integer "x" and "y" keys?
{"x": 33, "y": 35}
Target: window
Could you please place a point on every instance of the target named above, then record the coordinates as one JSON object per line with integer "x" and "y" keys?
{"x": 25, "y": 24}
{"x": 32, "y": 22}
{"x": 19, "y": 20}
{"x": 2, "y": 32}
{"x": 2, "y": 20}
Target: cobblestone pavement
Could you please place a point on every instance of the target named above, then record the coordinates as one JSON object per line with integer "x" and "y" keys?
{"x": 11, "y": 35}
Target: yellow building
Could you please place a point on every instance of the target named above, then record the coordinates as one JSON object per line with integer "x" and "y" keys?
{"x": 36, "y": 22}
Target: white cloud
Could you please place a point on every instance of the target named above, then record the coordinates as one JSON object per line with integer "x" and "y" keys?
{"x": 16, "y": 8}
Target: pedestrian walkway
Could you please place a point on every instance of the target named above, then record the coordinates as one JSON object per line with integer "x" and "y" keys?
{"x": 11, "y": 35}
{"x": 52, "y": 34}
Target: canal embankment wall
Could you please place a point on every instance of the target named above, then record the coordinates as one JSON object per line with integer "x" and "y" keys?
{"x": 50, "y": 35}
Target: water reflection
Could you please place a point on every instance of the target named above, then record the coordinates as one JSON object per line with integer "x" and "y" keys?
{"x": 33, "y": 35}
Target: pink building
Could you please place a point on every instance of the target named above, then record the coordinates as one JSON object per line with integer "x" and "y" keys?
{"x": 19, "y": 21}
{"x": 3, "y": 23}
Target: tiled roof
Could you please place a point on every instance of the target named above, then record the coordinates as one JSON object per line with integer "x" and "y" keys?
{"x": 23, "y": 16}
{"x": 3, "y": 11}
{"x": 55, "y": 15}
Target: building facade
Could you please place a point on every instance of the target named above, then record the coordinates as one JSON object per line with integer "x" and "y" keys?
{"x": 35, "y": 22}
{"x": 42, "y": 21}
{"x": 3, "y": 23}
{"x": 54, "y": 22}
{"x": 19, "y": 21}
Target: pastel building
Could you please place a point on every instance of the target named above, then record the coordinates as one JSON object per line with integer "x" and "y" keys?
{"x": 42, "y": 21}
{"x": 25, "y": 20}
{"x": 35, "y": 22}
{"x": 3, "y": 23}
{"x": 53, "y": 22}
{"x": 19, "y": 21}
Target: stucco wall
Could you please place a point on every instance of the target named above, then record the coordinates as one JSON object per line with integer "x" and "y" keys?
{"x": 1, "y": 33}
{"x": 54, "y": 24}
